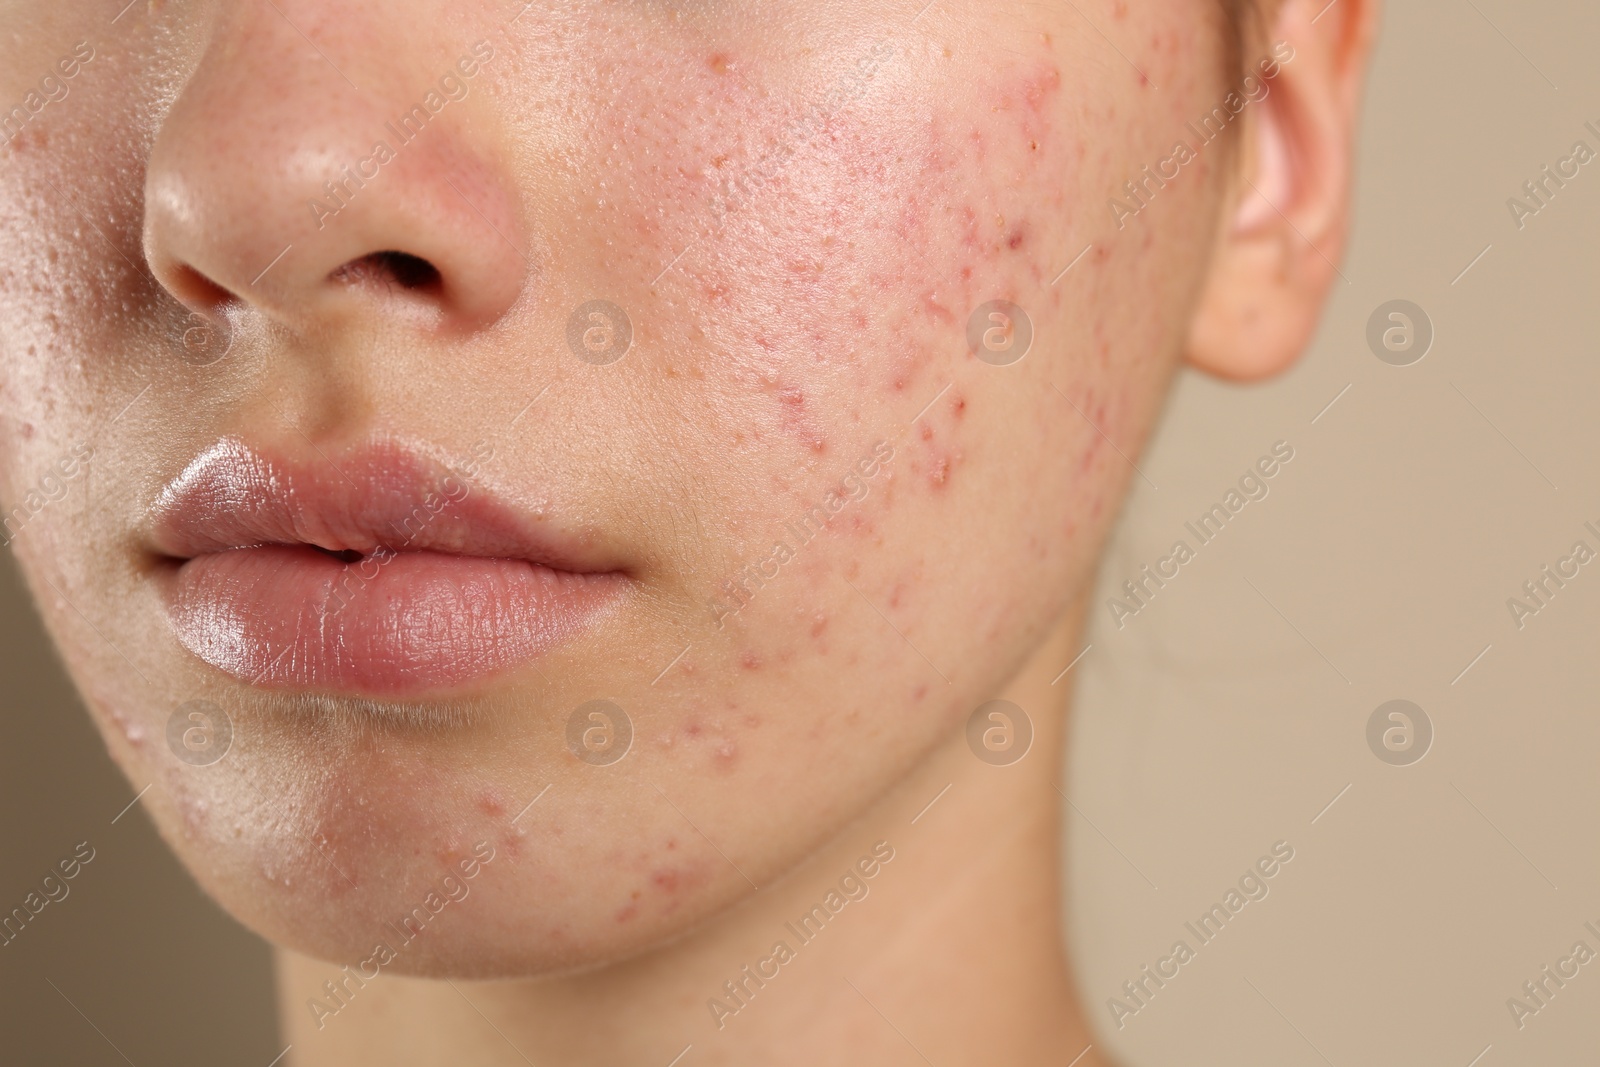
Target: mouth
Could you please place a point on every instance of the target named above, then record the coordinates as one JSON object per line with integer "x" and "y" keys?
{"x": 374, "y": 573}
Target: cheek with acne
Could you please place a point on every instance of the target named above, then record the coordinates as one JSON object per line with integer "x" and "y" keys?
{"x": 848, "y": 258}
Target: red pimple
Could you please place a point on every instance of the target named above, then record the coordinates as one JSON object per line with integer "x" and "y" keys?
{"x": 749, "y": 660}
{"x": 1089, "y": 455}
{"x": 1041, "y": 86}
{"x": 719, "y": 62}
{"x": 131, "y": 729}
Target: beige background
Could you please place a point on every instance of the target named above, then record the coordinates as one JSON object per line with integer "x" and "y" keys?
{"x": 1227, "y": 715}
{"x": 1209, "y": 728}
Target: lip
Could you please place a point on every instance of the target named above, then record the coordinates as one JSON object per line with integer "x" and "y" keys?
{"x": 374, "y": 572}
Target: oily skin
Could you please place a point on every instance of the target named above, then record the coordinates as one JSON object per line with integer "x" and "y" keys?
{"x": 794, "y": 307}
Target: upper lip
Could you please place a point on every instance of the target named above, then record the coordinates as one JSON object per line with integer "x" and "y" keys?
{"x": 376, "y": 497}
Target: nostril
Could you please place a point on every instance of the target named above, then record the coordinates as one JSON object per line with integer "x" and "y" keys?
{"x": 195, "y": 290}
{"x": 410, "y": 271}
{"x": 391, "y": 268}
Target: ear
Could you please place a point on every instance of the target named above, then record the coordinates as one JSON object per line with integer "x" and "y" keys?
{"x": 1290, "y": 199}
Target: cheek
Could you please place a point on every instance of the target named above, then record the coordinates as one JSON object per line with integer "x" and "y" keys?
{"x": 817, "y": 261}
{"x": 815, "y": 269}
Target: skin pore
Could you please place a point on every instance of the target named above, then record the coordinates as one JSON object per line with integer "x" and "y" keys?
{"x": 326, "y": 241}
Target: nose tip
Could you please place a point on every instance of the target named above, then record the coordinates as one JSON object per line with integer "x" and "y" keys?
{"x": 275, "y": 184}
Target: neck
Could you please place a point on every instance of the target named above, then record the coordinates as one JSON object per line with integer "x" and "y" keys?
{"x": 955, "y": 955}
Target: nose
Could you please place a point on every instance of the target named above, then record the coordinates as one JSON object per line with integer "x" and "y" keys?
{"x": 310, "y": 191}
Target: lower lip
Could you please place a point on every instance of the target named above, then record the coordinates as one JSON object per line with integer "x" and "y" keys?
{"x": 294, "y": 617}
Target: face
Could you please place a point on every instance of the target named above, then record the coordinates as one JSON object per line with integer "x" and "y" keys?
{"x": 414, "y": 412}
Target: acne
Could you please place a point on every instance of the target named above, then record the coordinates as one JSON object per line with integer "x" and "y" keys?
{"x": 131, "y": 729}
{"x": 804, "y": 231}
{"x": 715, "y": 741}
{"x": 194, "y": 810}
{"x": 796, "y": 421}
{"x": 936, "y": 310}
{"x": 664, "y": 886}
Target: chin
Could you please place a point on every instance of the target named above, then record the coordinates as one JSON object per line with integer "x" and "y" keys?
{"x": 381, "y": 846}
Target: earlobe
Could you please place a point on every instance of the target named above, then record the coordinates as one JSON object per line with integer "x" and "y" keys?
{"x": 1278, "y": 251}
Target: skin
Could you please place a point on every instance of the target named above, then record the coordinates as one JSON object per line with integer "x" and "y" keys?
{"x": 795, "y": 302}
